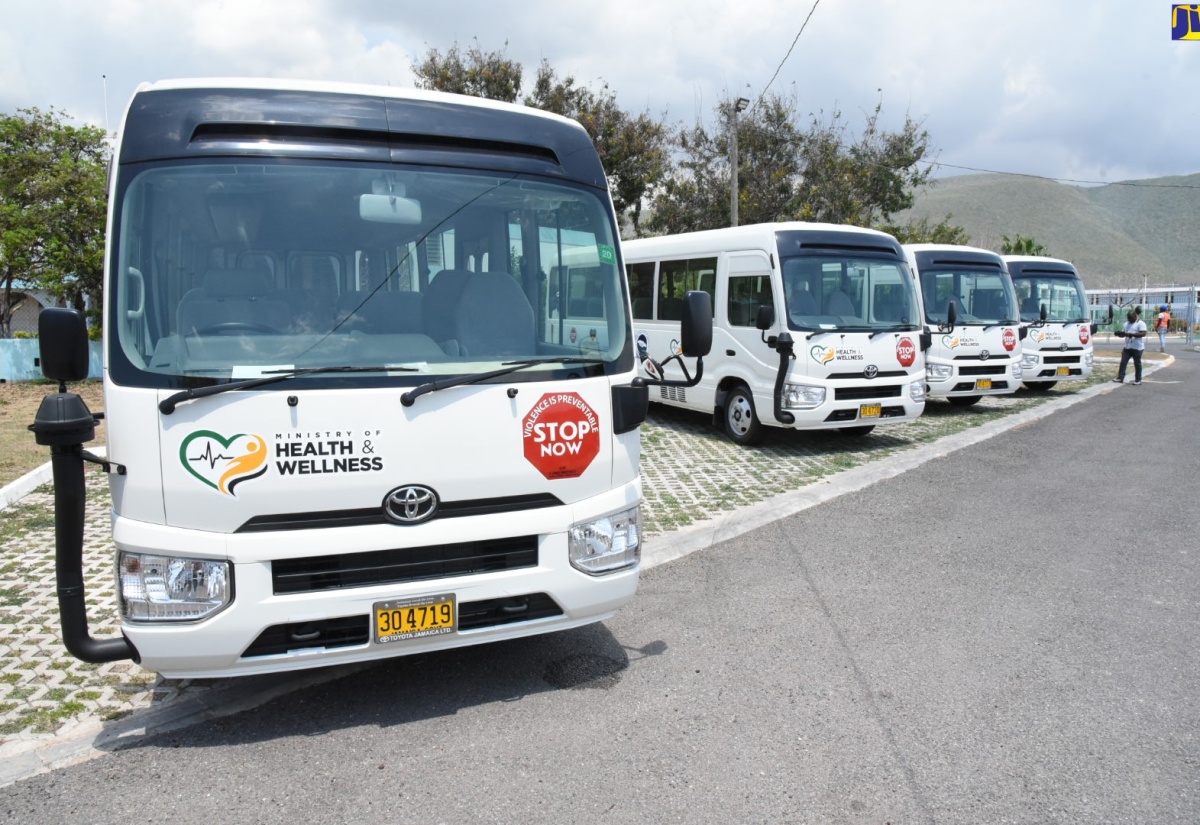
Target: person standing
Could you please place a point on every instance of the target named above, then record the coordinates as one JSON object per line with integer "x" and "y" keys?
{"x": 1161, "y": 325}
{"x": 1134, "y": 334}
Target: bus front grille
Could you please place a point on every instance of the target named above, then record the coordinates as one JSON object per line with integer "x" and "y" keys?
{"x": 374, "y": 567}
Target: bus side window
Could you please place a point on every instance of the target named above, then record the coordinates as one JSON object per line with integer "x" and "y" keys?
{"x": 746, "y": 295}
{"x": 641, "y": 289}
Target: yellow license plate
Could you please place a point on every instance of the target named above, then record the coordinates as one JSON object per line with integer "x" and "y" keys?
{"x": 870, "y": 410}
{"x": 401, "y": 619}
{"x": 983, "y": 383}
{"x": 1064, "y": 371}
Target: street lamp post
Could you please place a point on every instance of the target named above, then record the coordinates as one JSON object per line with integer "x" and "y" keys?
{"x": 738, "y": 105}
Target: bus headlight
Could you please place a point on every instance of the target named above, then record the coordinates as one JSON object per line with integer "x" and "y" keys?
{"x": 916, "y": 391}
{"x": 170, "y": 589}
{"x": 606, "y": 544}
{"x": 938, "y": 372}
{"x": 802, "y": 396}
{"x": 1017, "y": 372}
{"x": 1029, "y": 360}
{"x": 1088, "y": 358}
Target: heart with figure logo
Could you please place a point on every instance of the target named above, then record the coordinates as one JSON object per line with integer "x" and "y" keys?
{"x": 222, "y": 463}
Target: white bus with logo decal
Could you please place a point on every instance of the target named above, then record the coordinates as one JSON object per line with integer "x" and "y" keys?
{"x": 970, "y": 312}
{"x": 815, "y": 326}
{"x": 339, "y": 426}
{"x": 1059, "y": 329}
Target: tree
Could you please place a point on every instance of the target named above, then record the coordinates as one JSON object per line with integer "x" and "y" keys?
{"x": 1021, "y": 246}
{"x": 789, "y": 173}
{"x": 633, "y": 149}
{"x": 52, "y": 209}
{"x": 919, "y": 230}
{"x": 696, "y": 195}
{"x": 863, "y": 181}
{"x": 478, "y": 73}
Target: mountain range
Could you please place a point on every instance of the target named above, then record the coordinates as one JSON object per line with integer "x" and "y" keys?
{"x": 1117, "y": 235}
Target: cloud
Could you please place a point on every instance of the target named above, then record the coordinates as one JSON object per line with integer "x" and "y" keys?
{"x": 1058, "y": 89}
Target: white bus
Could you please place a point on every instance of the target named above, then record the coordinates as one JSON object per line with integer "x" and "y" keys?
{"x": 338, "y": 427}
{"x": 970, "y": 313}
{"x": 815, "y": 326}
{"x": 1054, "y": 309}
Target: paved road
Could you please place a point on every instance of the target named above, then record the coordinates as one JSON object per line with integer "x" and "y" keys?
{"x": 1006, "y": 633}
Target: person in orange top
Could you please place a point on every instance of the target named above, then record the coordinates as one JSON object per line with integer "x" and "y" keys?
{"x": 1161, "y": 325}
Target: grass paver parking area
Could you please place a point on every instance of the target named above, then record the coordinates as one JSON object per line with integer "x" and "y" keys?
{"x": 691, "y": 472}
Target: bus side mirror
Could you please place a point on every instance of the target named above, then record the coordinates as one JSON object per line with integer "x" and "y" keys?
{"x": 766, "y": 317}
{"x": 1042, "y": 315}
{"x": 1110, "y": 315}
{"x": 63, "y": 344}
{"x": 1022, "y": 333}
{"x": 695, "y": 328}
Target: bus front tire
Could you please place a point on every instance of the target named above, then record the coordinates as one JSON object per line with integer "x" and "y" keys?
{"x": 741, "y": 421}
{"x": 1040, "y": 386}
{"x": 964, "y": 400}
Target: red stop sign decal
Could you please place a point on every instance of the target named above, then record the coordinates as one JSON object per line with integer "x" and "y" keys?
{"x": 1084, "y": 334}
{"x": 1010, "y": 340}
{"x": 906, "y": 352}
{"x": 561, "y": 435}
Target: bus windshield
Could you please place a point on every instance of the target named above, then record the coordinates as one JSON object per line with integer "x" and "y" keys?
{"x": 1063, "y": 298}
{"x": 231, "y": 269}
{"x": 980, "y": 297}
{"x": 848, "y": 293}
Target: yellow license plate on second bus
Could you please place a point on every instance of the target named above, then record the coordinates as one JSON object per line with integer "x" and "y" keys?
{"x": 870, "y": 410}
{"x": 1063, "y": 371}
{"x": 401, "y": 619}
{"x": 983, "y": 383}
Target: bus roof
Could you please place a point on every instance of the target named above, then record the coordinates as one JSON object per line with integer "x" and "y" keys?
{"x": 753, "y": 235}
{"x": 267, "y": 117}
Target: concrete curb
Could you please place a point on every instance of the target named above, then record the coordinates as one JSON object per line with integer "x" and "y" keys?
{"x": 26, "y": 484}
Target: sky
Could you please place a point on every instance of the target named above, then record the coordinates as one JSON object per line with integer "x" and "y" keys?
{"x": 1072, "y": 90}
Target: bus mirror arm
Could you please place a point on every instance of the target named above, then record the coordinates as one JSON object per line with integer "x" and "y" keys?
{"x": 658, "y": 369}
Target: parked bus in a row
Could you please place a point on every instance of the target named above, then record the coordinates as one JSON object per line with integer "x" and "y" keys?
{"x": 1059, "y": 329}
{"x": 815, "y": 326}
{"x": 340, "y": 425}
{"x": 970, "y": 311}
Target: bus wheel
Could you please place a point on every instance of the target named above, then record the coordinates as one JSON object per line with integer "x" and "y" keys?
{"x": 1040, "y": 386}
{"x": 856, "y": 432}
{"x": 741, "y": 422}
{"x": 964, "y": 400}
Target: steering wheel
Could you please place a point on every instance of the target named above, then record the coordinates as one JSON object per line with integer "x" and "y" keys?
{"x": 238, "y": 328}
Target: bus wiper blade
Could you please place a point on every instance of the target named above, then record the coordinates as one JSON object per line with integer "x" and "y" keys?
{"x": 168, "y": 404}
{"x": 893, "y": 328}
{"x": 508, "y": 367}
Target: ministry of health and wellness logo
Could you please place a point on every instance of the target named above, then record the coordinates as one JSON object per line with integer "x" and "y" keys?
{"x": 1185, "y": 21}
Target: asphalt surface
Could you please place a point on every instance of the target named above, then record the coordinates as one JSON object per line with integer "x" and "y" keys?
{"x": 1002, "y": 633}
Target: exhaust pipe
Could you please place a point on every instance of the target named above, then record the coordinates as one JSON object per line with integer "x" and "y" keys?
{"x": 64, "y": 423}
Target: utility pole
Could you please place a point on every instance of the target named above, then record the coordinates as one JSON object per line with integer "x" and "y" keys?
{"x": 738, "y": 105}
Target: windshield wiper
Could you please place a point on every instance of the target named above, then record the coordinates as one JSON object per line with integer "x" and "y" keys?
{"x": 509, "y": 366}
{"x": 893, "y": 328}
{"x": 168, "y": 404}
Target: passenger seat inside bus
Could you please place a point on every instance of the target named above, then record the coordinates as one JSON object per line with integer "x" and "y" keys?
{"x": 233, "y": 299}
{"x": 839, "y": 303}
{"x": 493, "y": 317}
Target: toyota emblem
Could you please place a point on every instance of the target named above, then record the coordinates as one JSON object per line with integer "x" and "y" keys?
{"x": 984, "y": 355}
{"x": 871, "y": 371}
{"x": 1062, "y": 347}
{"x": 411, "y": 504}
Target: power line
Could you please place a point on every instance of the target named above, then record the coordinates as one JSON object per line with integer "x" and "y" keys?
{"x": 789, "y": 52}
{"x": 1136, "y": 184}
